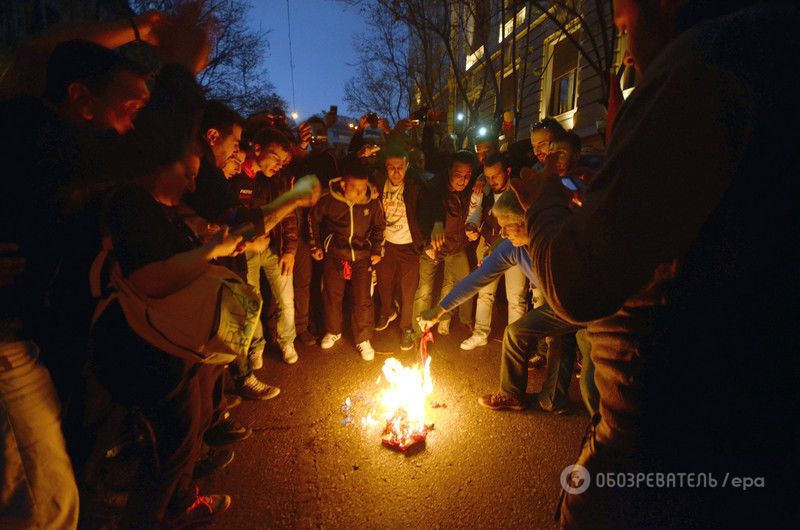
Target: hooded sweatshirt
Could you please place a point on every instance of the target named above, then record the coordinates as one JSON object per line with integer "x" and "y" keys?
{"x": 345, "y": 230}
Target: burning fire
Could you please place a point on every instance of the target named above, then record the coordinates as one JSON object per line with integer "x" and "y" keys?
{"x": 402, "y": 404}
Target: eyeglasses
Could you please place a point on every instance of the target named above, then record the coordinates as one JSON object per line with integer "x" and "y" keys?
{"x": 512, "y": 228}
{"x": 547, "y": 123}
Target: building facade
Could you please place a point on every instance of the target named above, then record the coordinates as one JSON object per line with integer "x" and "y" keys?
{"x": 519, "y": 62}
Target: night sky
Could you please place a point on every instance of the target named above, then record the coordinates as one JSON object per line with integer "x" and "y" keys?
{"x": 322, "y": 37}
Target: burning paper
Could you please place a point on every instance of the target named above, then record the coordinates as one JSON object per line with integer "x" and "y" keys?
{"x": 402, "y": 403}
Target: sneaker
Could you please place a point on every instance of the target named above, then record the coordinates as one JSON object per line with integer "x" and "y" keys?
{"x": 474, "y": 341}
{"x": 216, "y": 459}
{"x": 256, "y": 359}
{"x": 366, "y": 350}
{"x": 500, "y": 401}
{"x": 253, "y": 389}
{"x": 383, "y": 321}
{"x": 444, "y": 327}
{"x": 329, "y": 340}
{"x": 407, "y": 342}
{"x": 290, "y": 354}
{"x": 227, "y": 431}
{"x": 203, "y": 510}
{"x": 232, "y": 401}
{"x": 306, "y": 338}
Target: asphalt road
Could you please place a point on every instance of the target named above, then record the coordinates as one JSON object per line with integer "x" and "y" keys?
{"x": 303, "y": 468}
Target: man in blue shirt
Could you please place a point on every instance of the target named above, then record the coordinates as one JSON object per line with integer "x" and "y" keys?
{"x": 519, "y": 341}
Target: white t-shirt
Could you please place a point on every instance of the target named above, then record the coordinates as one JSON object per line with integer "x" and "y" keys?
{"x": 397, "y": 229}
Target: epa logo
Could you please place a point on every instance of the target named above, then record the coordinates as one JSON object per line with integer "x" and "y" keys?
{"x": 575, "y": 479}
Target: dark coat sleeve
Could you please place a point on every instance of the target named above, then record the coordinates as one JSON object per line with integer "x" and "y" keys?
{"x": 649, "y": 201}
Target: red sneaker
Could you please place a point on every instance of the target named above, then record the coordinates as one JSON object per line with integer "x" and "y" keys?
{"x": 204, "y": 509}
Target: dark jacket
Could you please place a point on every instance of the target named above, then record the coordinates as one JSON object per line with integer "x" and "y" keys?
{"x": 259, "y": 190}
{"x": 454, "y": 206}
{"x": 416, "y": 200}
{"x": 214, "y": 200}
{"x": 693, "y": 256}
{"x": 344, "y": 230}
{"x": 488, "y": 226}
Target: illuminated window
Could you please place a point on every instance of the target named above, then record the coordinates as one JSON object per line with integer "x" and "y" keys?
{"x": 564, "y": 77}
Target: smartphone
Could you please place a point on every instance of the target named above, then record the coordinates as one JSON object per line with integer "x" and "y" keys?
{"x": 573, "y": 184}
{"x": 567, "y": 183}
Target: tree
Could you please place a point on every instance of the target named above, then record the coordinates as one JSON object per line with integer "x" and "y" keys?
{"x": 235, "y": 72}
{"x": 381, "y": 82}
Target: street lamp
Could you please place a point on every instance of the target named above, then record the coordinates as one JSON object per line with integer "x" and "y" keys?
{"x": 295, "y": 116}
{"x": 482, "y": 131}
{"x": 460, "y": 116}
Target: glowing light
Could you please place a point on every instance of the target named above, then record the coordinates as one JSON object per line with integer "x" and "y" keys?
{"x": 295, "y": 115}
{"x": 402, "y": 405}
{"x": 460, "y": 116}
{"x": 482, "y": 131}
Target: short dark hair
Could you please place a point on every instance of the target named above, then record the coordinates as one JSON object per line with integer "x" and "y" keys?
{"x": 463, "y": 156}
{"x": 497, "y": 158}
{"x": 395, "y": 150}
{"x": 570, "y": 138}
{"x": 548, "y": 124}
{"x": 353, "y": 168}
{"x": 217, "y": 115}
{"x": 80, "y": 61}
{"x": 270, "y": 135}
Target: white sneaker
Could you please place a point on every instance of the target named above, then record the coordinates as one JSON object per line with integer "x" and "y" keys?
{"x": 329, "y": 340}
{"x": 474, "y": 341}
{"x": 290, "y": 354}
{"x": 366, "y": 350}
{"x": 444, "y": 327}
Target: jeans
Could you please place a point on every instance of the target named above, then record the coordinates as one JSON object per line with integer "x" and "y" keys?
{"x": 456, "y": 268}
{"x": 38, "y": 486}
{"x": 516, "y": 291}
{"x": 282, "y": 288}
{"x": 400, "y": 263}
{"x": 519, "y": 345}
{"x": 362, "y": 312}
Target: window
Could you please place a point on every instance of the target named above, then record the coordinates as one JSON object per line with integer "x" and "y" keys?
{"x": 564, "y": 76}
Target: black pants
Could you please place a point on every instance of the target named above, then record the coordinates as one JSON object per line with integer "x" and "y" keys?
{"x": 399, "y": 266}
{"x": 307, "y": 292}
{"x": 362, "y": 313}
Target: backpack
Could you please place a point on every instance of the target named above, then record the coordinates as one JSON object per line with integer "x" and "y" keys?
{"x": 212, "y": 320}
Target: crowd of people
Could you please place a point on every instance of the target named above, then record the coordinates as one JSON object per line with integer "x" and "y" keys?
{"x": 128, "y": 194}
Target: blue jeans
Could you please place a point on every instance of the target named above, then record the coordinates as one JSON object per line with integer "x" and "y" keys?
{"x": 516, "y": 292}
{"x": 38, "y": 485}
{"x": 282, "y": 288}
{"x": 456, "y": 268}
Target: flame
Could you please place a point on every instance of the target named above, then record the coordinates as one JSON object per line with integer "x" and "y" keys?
{"x": 402, "y": 404}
